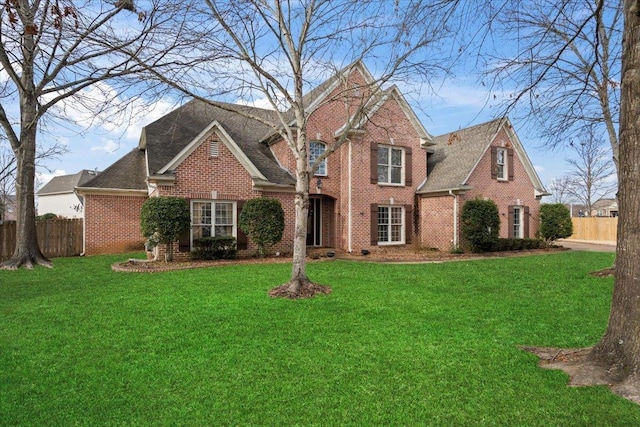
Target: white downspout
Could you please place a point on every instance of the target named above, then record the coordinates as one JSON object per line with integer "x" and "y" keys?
{"x": 455, "y": 219}
{"x": 349, "y": 243}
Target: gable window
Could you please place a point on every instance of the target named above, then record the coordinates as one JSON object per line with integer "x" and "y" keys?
{"x": 209, "y": 218}
{"x": 390, "y": 165}
{"x": 214, "y": 149}
{"x": 390, "y": 224}
{"x": 501, "y": 164}
{"x": 316, "y": 149}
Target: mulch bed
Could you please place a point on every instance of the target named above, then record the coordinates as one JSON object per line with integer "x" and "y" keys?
{"x": 384, "y": 255}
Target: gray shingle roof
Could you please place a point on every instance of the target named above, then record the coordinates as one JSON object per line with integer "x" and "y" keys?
{"x": 166, "y": 137}
{"x": 66, "y": 183}
{"x": 128, "y": 173}
{"x": 456, "y": 154}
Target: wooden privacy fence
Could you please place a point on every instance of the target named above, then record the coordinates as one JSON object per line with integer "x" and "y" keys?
{"x": 56, "y": 237}
{"x": 595, "y": 228}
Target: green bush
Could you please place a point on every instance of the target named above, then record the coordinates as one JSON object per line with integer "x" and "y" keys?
{"x": 480, "y": 224}
{"x": 163, "y": 220}
{"x": 47, "y": 216}
{"x": 262, "y": 219}
{"x": 555, "y": 222}
{"x": 217, "y": 247}
{"x": 511, "y": 244}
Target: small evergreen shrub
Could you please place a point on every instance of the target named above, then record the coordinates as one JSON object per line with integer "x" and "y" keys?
{"x": 262, "y": 219}
{"x": 163, "y": 220}
{"x": 510, "y": 244}
{"x": 555, "y": 222}
{"x": 47, "y": 216}
{"x": 218, "y": 247}
{"x": 480, "y": 224}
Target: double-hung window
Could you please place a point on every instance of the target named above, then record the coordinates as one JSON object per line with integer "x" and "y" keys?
{"x": 517, "y": 222}
{"x": 501, "y": 164}
{"x": 316, "y": 149}
{"x": 209, "y": 218}
{"x": 390, "y": 165}
{"x": 390, "y": 224}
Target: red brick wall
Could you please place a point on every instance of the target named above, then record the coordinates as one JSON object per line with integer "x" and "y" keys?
{"x": 112, "y": 224}
{"x": 436, "y": 213}
{"x": 505, "y": 193}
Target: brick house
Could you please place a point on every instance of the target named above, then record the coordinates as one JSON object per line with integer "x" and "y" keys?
{"x": 392, "y": 184}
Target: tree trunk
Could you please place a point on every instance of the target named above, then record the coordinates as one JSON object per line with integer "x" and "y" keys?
{"x": 27, "y": 252}
{"x": 619, "y": 349}
{"x": 298, "y": 270}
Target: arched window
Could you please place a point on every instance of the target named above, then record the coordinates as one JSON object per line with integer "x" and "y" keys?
{"x": 316, "y": 149}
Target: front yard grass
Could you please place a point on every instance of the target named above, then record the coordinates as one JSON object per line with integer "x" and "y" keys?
{"x": 431, "y": 344}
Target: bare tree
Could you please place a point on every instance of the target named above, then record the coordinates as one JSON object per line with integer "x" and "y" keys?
{"x": 276, "y": 50}
{"x": 52, "y": 52}
{"x": 563, "y": 69}
{"x": 560, "y": 190}
{"x": 591, "y": 174}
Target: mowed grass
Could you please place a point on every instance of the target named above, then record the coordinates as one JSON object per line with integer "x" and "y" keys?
{"x": 430, "y": 344}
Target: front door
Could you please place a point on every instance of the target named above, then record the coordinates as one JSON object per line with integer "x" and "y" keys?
{"x": 314, "y": 222}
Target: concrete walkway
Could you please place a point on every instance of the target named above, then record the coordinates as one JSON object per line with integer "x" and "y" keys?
{"x": 588, "y": 245}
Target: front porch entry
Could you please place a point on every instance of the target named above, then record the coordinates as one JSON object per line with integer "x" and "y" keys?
{"x": 314, "y": 222}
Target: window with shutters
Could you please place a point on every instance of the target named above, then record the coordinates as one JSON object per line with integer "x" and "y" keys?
{"x": 391, "y": 225}
{"x": 213, "y": 218}
{"x": 390, "y": 165}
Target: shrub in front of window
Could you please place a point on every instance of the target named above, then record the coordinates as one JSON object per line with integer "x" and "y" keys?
{"x": 262, "y": 219}
{"x": 214, "y": 247}
{"x": 163, "y": 219}
{"x": 480, "y": 224}
{"x": 512, "y": 244}
{"x": 555, "y": 222}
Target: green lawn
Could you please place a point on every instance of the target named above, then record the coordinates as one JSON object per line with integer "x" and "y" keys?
{"x": 432, "y": 344}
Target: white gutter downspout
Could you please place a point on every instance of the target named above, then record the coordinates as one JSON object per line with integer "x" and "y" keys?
{"x": 455, "y": 219}
{"x": 349, "y": 205}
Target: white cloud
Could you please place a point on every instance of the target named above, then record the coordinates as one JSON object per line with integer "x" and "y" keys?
{"x": 44, "y": 177}
{"x": 108, "y": 146}
{"x": 538, "y": 168}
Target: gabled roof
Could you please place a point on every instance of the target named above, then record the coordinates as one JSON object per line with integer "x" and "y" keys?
{"x": 457, "y": 154}
{"x": 604, "y": 203}
{"x": 168, "y": 137}
{"x": 126, "y": 174}
{"x": 66, "y": 183}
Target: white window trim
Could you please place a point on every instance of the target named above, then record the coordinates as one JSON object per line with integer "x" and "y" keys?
{"x": 505, "y": 166}
{"x": 325, "y": 161}
{"x": 518, "y": 213}
{"x": 234, "y": 212}
{"x": 402, "y": 166}
{"x": 403, "y": 217}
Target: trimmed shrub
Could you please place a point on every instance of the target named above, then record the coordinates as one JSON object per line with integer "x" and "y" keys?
{"x": 510, "y": 244}
{"x": 480, "y": 224}
{"x": 555, "y": 222}
{"x": 163, "y": 220}
{"x": 218, "y": 247}
{"x": 47, "y": 216}
{"x": 262, "y": 219}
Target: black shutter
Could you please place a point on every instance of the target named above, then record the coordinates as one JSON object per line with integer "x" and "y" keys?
{"x": 511, "y": 216}
{"x": 374, "y": 224}
{"x": 526, "y": 222}
{"x": 510, "y": 163}
{"x": 408, "y": 167}
{"x": 374, "y": 162}
{"x": 408, "y": 223}
{"x": 241, "y": 238}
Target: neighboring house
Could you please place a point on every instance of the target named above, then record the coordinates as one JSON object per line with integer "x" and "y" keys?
{"x": 605, "y": 207}
{"x": 58, "y": 195}
{"x": 7, "y": 207}
{"x": 576, "y": 210}
{"x": 375, "y": 191}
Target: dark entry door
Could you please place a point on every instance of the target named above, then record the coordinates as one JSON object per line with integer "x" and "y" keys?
{"x": 314, "y": 222}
